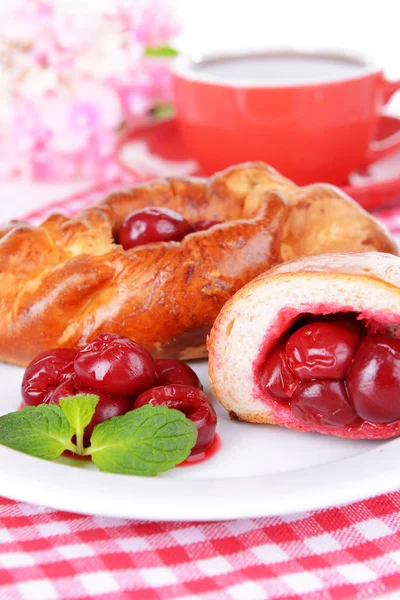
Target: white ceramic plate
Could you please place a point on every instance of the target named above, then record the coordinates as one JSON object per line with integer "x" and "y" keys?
{"x": 260, "y": 470}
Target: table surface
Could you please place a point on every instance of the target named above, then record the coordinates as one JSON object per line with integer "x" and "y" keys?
{"x": 19, "y": 198}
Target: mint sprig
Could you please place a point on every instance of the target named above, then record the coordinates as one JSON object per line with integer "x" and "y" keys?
{"x": 79, "y": 411}
{"x": 43, "y": 431}
{"x": 145, "y": 441}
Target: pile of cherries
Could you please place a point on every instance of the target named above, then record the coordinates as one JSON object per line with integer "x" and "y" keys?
{"x": 153, "y": 224}
{"x": 335, "y": 374}
{"x": 125, "y": 377}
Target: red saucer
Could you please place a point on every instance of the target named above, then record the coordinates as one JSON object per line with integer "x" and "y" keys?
{"x": 156, "y": 150}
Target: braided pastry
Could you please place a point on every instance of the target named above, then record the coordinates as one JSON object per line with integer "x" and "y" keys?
{"x": 66, "y": 281}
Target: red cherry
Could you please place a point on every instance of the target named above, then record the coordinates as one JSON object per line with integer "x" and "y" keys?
{"x": 277, "y": 378}
{"x": 107, "y": 407}
{"x": 115, "y": 365}
{"x": 204, "y": 225}
{"x": 65, "y": 389}
{"x": 192, "y": 402}
{"x": 152, "y": 225}
{"x": 45, "y": 372}
{"x": 174, "y": 371}
{"x": 323, "y": 403}
{"x": 373, "y": 381}
{"x": 321, "y": 350}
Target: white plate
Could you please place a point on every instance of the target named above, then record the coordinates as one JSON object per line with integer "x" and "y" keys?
{"x": 260, "y": 470}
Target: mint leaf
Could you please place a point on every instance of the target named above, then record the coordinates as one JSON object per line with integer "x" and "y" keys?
{"x": 145, "y": 441}
{"x": 160, "y": 51}
{"x": 79, "y": 411}
{"x": 41, "y": 431}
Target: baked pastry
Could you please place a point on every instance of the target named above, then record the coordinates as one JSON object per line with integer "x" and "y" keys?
{"x": 321, "y": 218}
{"x": 314, "y": 345}
{"x": 67, "y": 280}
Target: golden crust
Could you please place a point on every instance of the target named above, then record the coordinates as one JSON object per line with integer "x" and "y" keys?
{"x": 323, "y": 219}
{"x": 65, "y": 281}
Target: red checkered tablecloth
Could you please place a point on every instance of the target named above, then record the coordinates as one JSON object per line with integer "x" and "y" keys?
{"x": 351, "y": 552}
{"x": 339, "y": 553}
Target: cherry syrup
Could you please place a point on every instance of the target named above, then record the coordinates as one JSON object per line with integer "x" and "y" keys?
{"x": 201, "y": 457}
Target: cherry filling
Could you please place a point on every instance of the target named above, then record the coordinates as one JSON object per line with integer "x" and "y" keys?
{"x": 373, "y": 381}
{"x": 321, "y": 351}
{"x": 323, "y": 403}
{"x": 333, "y": 373}
{"x": 153, "y": 224}
{"x": 277, "y": 378}
{"x": 192, "y": 402}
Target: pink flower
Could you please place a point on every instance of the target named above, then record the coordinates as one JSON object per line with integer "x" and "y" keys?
{"x": 74, "y": 77}
{"x": 152, "y": 21}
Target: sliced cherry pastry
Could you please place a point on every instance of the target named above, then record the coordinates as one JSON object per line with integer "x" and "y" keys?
{"x": 44, "y": 373}
{"x": 322, "y": 350}
{"x": 277, "y": 378}
{"x": 204, "y": 225}
{"x": 115, "y": 365}
{"x": 107, "y": 407}
{"x": 192, "y": 402}
{"x": 152, "y": 224}
{"x": 373, "y": 380}
{"x": 174, "y": 371}
{"x": 323, "y": 403}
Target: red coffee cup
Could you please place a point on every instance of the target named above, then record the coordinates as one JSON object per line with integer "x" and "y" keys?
{"x": 313, "y": 115}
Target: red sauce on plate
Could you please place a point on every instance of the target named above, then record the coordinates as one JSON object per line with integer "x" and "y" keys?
{"x": 69, "y": 454}
{"x": 201, "y": 457}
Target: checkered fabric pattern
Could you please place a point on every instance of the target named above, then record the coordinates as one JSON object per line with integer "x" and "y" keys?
{"x": 351, "y": 552}
{"x": 73, "y": 204}
{"x": 334, "y": 554}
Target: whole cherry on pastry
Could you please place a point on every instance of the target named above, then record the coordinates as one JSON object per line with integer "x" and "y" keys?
{"x": 114, "y": 365}
{"x": 192, "y": 402}
{"x": 373, "y": 380}
{"x": 174, "y": 371}
{"x": 204, "y": 225}
{"x": 152, "y": 224}
{"x": 45, "y": 373}
{"x": 321, "y": 350}
{"x": 107, "y": 407}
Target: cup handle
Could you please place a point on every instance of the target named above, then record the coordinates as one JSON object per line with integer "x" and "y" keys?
{"x": 381, "y": 148}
